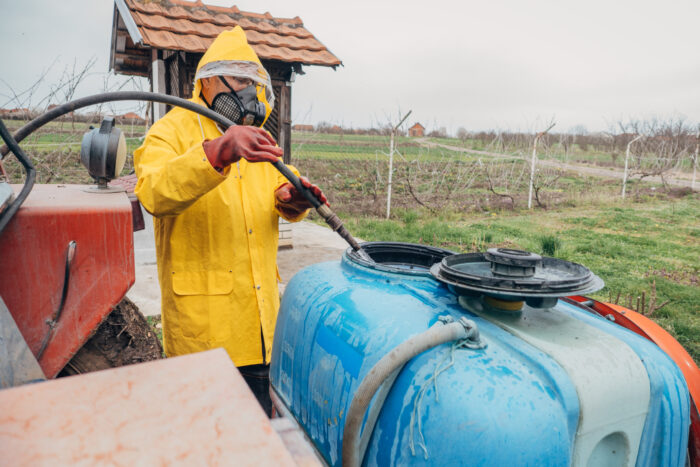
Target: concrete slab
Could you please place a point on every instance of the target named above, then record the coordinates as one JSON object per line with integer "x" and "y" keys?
{"x": 145, "y": 292}
{"x": 189, "y": 410}
{"x": 312, "y": 244}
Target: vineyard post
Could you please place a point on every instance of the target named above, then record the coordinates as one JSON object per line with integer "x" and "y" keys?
{"x": 532, "y": 165}
{"x": 391, "y": 163}
{"x": 627, "y": 158}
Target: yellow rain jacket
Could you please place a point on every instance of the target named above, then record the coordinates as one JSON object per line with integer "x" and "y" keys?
{"x": 216, "y": 233}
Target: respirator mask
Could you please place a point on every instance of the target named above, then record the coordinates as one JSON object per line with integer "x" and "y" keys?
{"x": 241, "y": 107}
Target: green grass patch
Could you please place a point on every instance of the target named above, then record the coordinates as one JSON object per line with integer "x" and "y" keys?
{"x": 635, "y": 248}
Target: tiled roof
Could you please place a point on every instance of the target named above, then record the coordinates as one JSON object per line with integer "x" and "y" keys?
{"x": 192, "y": 27}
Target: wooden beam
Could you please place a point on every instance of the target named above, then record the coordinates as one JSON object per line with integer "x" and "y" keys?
{"x": 125, "y": 70}
{"x": 158, "y": 83}
{"x": 129, "y": 22}
{"x": 144, "y": 54}
{"x": 115, "y": 21}
{"x": 127, "y": 57}
{"x": 121, "y": 44}
{"x": 285, "y": 121}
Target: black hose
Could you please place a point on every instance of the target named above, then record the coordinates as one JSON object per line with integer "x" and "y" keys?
{"x": 28, "y": 181}
{"x": 101, "y": 98}
{"x": 41, "y": 120}
{"x": 329, "y": 216}
{"x": 70, "y": 254}
{"x": 294, "y": 180}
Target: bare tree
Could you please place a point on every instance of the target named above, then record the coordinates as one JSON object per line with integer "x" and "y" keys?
{"x": 666, "y": 147}
{"x": 544, "y": 180}
{"x": 462, "y": 134}
{"x": 534, "y": 159}
{"x": 492, "y": 189}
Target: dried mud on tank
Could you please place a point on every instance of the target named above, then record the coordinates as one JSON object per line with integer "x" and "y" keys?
{"x": 123, "y": 338}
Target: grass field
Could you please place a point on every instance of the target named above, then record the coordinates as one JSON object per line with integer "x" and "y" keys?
{"x": 649, "y": 244}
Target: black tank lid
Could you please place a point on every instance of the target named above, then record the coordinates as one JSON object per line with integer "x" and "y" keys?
{"x": 515, "y": 275}
{"x": 399, "y": 257}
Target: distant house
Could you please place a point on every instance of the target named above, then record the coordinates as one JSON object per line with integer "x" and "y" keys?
{"x": 131, "y": 118}
{"x": 416, "y": 130}
{"x": 303, "y": 128}
{"x": 16, "y": 114}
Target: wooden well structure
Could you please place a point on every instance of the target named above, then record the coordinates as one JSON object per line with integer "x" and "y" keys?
{"x": 164, "y": 40}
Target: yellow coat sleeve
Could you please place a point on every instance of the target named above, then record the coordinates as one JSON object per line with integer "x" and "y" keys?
{"x": 172, "y": 176}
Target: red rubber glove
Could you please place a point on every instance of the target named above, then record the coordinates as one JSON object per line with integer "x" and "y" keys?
{"x": 293, "y": 202}
{"x": 241, "y": 141}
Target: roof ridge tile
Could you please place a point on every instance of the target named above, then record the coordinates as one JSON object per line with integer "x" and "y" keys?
{"x": 162, "y": 6}
{"x": 192, "y": 25}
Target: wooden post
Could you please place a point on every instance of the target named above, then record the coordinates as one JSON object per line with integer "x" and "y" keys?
{"x": 627, "y": 158}
{"x": 158, "y": 82}
{"x": 285, "y": 122}
{"x": 695, "y": 158}
{"x": 391, "y": 171}
{"x": 391, "y": 163}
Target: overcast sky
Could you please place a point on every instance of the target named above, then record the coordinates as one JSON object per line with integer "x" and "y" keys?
{"x": 509, "y": 64}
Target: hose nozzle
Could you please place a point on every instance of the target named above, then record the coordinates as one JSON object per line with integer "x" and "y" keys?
{"x": 323, "y": 210}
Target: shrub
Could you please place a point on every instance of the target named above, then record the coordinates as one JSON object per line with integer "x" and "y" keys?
{"x": 549, "y": 244}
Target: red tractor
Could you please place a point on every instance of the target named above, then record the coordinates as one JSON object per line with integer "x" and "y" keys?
{"x": 67, "y": 261}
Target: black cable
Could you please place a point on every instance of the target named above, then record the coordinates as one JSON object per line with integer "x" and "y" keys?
{"x": 28, "y": 181}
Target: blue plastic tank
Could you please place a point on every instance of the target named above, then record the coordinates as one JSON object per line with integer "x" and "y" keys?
{"x": 553, "y": 386}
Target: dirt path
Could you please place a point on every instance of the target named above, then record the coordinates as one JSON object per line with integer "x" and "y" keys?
{"x": 674, "y": 179}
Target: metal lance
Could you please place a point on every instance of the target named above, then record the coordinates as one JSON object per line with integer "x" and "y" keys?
{"x": 323, "y": 210}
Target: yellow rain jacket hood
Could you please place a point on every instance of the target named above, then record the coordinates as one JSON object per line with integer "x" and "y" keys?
{"x": 216, "y": 233}
{"x": 232, "y": 45}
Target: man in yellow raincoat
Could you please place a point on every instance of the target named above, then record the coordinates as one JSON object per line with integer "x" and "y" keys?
{"x": 216, "y": 210}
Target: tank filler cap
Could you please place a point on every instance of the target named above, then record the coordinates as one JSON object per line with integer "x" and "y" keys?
{"x": 515, "y": 275}
{"x": 506, "y": 262}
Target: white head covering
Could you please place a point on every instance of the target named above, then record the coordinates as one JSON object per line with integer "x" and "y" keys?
{"x": 239, "y": 69}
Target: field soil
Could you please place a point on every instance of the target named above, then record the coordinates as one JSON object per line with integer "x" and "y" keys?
{"x": 123, "y": 338}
